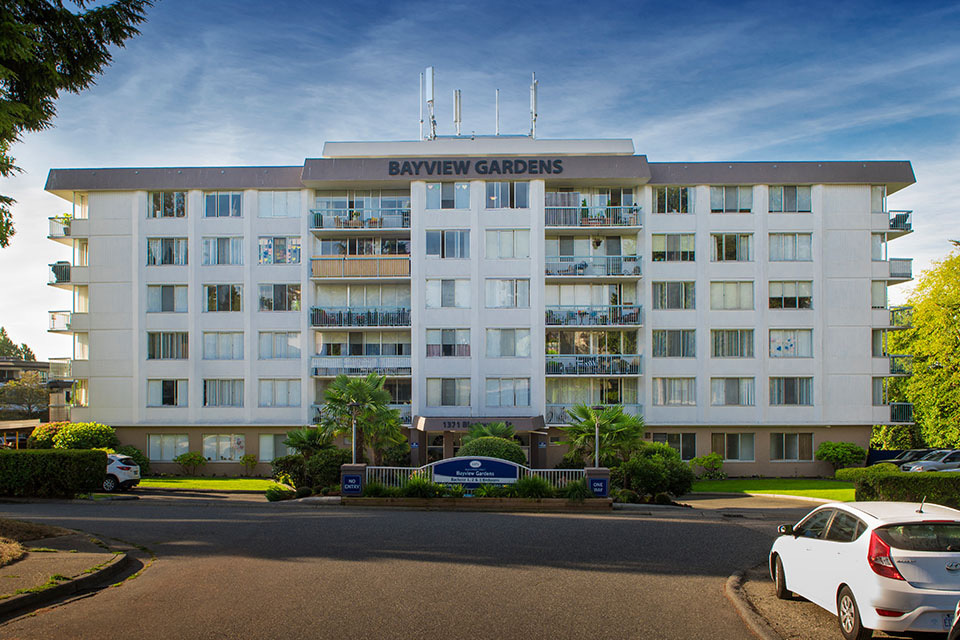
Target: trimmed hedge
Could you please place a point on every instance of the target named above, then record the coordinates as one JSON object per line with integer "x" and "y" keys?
{"x": 494, "y": 448}
{"x": 886, "y": 482}
{"x": 51, "y": 473}
{"x": 323, "y": 467}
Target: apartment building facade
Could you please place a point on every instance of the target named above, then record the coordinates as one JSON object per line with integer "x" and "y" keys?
{"x": 739, "y": 307}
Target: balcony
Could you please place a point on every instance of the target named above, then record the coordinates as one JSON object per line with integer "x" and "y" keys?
{"x": 329, "y": 366}
{"x": 60, "y": 321}
{"x": 60, "y": 229}
{"x": 61, "y": 369}
{"x": 59, "y": 273}
{"x": 557, "y": 413}
{"x": 406, "y": 413}
{"x": 901, "y": 317}
{"x": 901, "y": 268}
{"x": 360, "y": 267}
{"x": 583, "y": 216}
{"x": 383, "y": 218}
{"x": 594, "y": 365}
{"x": 593, "y": 266}
{"x": 901, "y": 365}
{"x": 611, "y": 315}
{"x": 901, "y": 412}
{"x": 360, "y": 317}
{"x": 901, "y": 221}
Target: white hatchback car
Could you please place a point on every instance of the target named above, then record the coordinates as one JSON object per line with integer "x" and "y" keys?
{"x": 893, "y": 566}
{"x": 123, "y": 473}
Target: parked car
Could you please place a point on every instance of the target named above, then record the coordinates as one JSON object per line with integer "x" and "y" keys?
{"x": 910, "y": 455}
{"x": 955, "y": 629}
{"x": 892, "y": 566}
{"x": 936, "y": 454}
{"x": 123, "y": 473}
{"x": 945, "y": 462}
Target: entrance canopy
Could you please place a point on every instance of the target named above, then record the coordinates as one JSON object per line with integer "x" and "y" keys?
{"x": 461, "y": 423}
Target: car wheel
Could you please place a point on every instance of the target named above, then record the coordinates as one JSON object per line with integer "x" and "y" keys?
{"x": 110, "y": 484}
{"x": 848, "y": 614}
{"x": 780, "y": 580}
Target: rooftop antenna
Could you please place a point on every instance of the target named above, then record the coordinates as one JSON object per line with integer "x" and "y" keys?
{"x": 432, "y": 135}
{"x": 456, "y": 110}
{"x": 533, "y": 106}
{"x": 421, "y": 105}
{"x": 920, "y": 510}
{"x": 498, "y": 111}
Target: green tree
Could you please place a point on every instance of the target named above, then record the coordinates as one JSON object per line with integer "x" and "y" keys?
{"x": 366, "y": 401}
{"x": 621, "y": 434}
{"x": 309, "y": 440}
{"x": 28, "y": 393}
{"x": 8, "y": 349}
{"x": 46, "y": 48}
{"x": 933, "y": 340}
{"x": 840, "y": 454}
{"x": 488, "y": 430}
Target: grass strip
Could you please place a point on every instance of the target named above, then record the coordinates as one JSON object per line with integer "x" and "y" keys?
{"x": 801, "y": 487}
{"x": 214, "y": 484}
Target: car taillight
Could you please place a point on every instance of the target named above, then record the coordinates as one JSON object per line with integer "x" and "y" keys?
{"x": 878, "y": 556}
{"x": 124, "y": 468}
{"x": 889, "y": 613}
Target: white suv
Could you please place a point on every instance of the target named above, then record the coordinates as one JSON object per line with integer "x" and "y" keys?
{"x": 893, "y": 566}
{"x": 123, "y": 473}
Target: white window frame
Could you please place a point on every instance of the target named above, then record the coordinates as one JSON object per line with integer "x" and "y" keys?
{"x": 746, "y": 391}
{"x": 777, "y": 198}
{"x": 461, "y": 391}
{"x": 791, "y": 343}
{"x": 155, "y": 393}
{"x": 223, "y": 392}
{"x": 721, "y": 341}
{"x": 521, "y": 343}
{"x": 507, "y": 244}
{"x": 234, "y": 443}
{"x": 661, "y": 295}
{"x": 226, "y": 345}
{"x": 507, "y": 392}
{"x": 791, "y": 247}
{"x": 267, "y": 255}
{"x": 783, "y": 437}
{"x": 734, "y": 295}
{"x": 226, "y": 204}
{"x": 508, "y": 293}
{"x": 211, "y": 254}
{"x": 675, "y": 392}
{"x": 164, "y": 447}
{"x": 155, "y": 298}
{"x": 778, "y": 391}
{"x": 176, "y": 199}
{"x": 278, "y": 392}
{"x": 433, "y": 293}
{"x": 742, "y": 247}
{"x": 279, "y": 345}
{"x": 685, "y": 341}
{"x": 731, "y": 199}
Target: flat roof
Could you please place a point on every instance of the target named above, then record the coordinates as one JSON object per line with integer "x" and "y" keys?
{"x": 479, "y": 146}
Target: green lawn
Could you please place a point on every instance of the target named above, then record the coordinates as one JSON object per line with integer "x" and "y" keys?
{"x": 805, "y": 487}
{"x": 217, "y": 484}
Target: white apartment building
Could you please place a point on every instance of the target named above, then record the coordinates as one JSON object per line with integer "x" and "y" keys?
{"x": 740, "y": 307}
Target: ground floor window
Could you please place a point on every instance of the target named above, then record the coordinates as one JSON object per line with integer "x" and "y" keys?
{"x": 164, "y": 447}
{"x": 271, "y": 446}
{"x": 736, "y": 447}
{"x": 791, "y": 447}
{"x": 223, "y": 447}
{"x": 434, "y": 447}
{"x": 685, "y": 443}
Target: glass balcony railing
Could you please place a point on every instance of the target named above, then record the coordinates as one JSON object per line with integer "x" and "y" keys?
{"x": 901, "y": 268}
{"x": 901, "y": 365}
{"x": 901, "y": 412}
{"x": 594, "y": 315}
{"x": 901, "y": 317}
{"x": 588, "y": 365}
{"x": 59, "y": 227}
{"x": 60, "y": 273}
{"x": 60, "y": 320}
{"x": 360, "y": 267}
{"x": 383, "y": 218}
{"x": 360, "y": 365}
{"x": 60, "y": 369}
{"x": 592, "y": 216}
{"x": 901, "y": 220}
{"x": 360, "y": 317}
{"x": 593, "y": 266}
{"x": 557, "y": 413}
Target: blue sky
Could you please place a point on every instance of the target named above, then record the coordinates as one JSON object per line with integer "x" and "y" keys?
{"x": 217, "y": 83}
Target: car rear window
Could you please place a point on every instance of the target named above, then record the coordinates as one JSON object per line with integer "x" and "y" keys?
{"x": 922, "y": 536}
{"x": 128, "y": 461}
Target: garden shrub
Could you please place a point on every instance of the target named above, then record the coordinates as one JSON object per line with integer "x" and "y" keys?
{"x": 323, "y": 467}
{"x": 374, "y": 489}
{"x": 486, "y": 491}
{"x": 454, "y": 491}
{"x": 886, "y": 482}
{"x": 304, "y": 492}
{"x": 712, "y": 465}
{"x": 42, "y": 435}
{"x": 571, "y": 460}
{"x": 249, "y": 461}
{"x": 85, "y": 435}
{"x": 577, "y": 491}
{"x": 138, "y": 456}
{"x": 420, "y": 487}
{"x": 190, "y": 462}
{"x": 627, "y": 496}
{"x": 662, "y": 498}
{"x": 280, "y": 492}
{"x": 657, "y": 468}
{"x": 840, "y": 454}
{"x": 51, "y": 473}
{"x": 292, "y": 466}
{"x": 397, "y": 455}
{"x": 534, "y": 487}
{"x": 493, "y": 448}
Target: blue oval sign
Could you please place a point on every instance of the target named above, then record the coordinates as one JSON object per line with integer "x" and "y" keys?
{"x": 474, "y": 471}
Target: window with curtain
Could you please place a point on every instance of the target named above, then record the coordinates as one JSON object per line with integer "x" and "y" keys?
{"x": 448, "y": 195}
{"x": 167, "y": 204}
{"x": 453, "y": 243}
{"x": 878, "y": 199}
{"x": 279, "y": 392}
{"x": 167, "y": 345}
{"x": 684, "y": 443}
{"x": 791, "y": 391}
{"x": 223, "y": 345}
{"x": 791, "y": 447}
{"x": 791, "y": 343}
{"x": 878, "y": 246}
{"x": 731, "y": 199}
{"x": 167, "y": 393}
{"x": 508, "y": 392}
{"x": 673, "y": 295}
{"x": 508, "y": 243}
{"x": 223, "y": 447}
{"x": 791, "y": 295}
{"x": 731, "y": 343}
{"x": 735, "y": 447}
{"x": 508, "y": 343}
{"x": 223, "y": 393}
{"x": 222, "y": 297}
{"x": 878, "y": 294}
{"x": 731, "y": 247}
{"x": 674, "y": 392}
{"x": 674, "y": 343}
{"x": 731, "y": 295}
{"x": 271, "y": 446}
{"x": 445, "y": 343}
{"x": 791, "y": 247}
{"x": 222, "y": 204}
{"x": 503, "y": 293}
{"x": 164, "y": 447}
{"x": 789, "y": 199}
{"x": 279, "y": 345}
{"x": 278, "y": 204}
{"x": 673, "y": 200}
{"x": 166, "y": 298}
{"x": 507, "y": 195}
{"x": 448, "y": 392}
{"x": 740, "y": 392}
{"x": 278, "y": 250}
{"x": 222, "y": 251}
{"x": 447, "y": 293}
{"x": 166, "y": 251}
{"x": 673, "y": 247}
{"x": 279, "y": 297}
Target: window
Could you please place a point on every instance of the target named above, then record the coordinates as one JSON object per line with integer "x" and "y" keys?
{"x": 731, "y": 199}
{"x": 789, "y": 199}
{"x": 508, "y": 343}
{"x": 223, "y": 393}
{"x": 684, "y": 443}
{"x": 167, "y": 345}
{"x": 448, "y": 195}
{"x": 279, "y": 393}
{"x": 447, "y": 293}
{"x": 674, "y": 343}
{"x": 791, "y": 391}
{"x": 731, "y": 295}
{"x": 815, "y": 524}
{"x": 845, "y": 528}
{"x": 791, "y": 247}
{"x": 80, "y": 394}
{"x": 278, "y": 204}
{"x": 791, "y": 447}
{"x": 725, "y": 392}
{"x": 279, "y": 250}
{"x": 879, "y": 392}
{"x": 878, "y": 294}
{"x": 508, "y": 392}
{"x": 222, "y": 205}
{"x": 731, "y": 343}
{"x": 222, "y": 251}
{"x": 271, "y": 446}
{"x": 443, "y": 343}
{"x": 674, "y": 392}
{"x": 508, "y": 293}
{"x": 222, "y": 297}
{"x": 673, "y": 200}
{"x": 223, "y": 447}
{"x": 223, "y": 345}
{"x": 673, "y": 247}
{"x": 673, "y": 295}
{"x": 508, "y": 195}
{"x": 167, "y": 393}
{"x": 736, "y": 447}
{"x": 277, "y": 345}
{"x": 449, "y": 244}
{"x": 164, "y": 447}
{"x": 164, "y": 298}
{"x": 791, "y": 343}
{"x": 878, "y": 199}
{"x": 791, "y": 295}
{"x": 162, "y": 251}
{"x": 167, "y": 204}
{"x": 731, "y": 247}
{"x": 448, "y": 392}
{"x": 508, "y": 243}
{"x": 878, "y": 340}
{"x": 279, "y": 297}
{"x": 81, "y": 345}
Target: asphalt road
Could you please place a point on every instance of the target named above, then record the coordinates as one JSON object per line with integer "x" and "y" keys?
{"x": 245, "y": 569}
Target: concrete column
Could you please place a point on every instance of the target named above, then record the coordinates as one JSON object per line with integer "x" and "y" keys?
{"x": 353, "y": 477}
{"x": 598, "y": 479}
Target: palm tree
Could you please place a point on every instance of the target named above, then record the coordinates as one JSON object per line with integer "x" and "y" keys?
{"x": 309, "y": 440}
{"x": 621, "y": 434}
{"x": 488, "y": 429}
{"x": 365, "y": 401}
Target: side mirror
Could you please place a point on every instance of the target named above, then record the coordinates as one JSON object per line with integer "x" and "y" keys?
{"x": 785, "y": 530}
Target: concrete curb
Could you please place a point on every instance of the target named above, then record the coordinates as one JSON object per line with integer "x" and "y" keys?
{"x": 734, "y": 494}
{"x": 184, "y": 490}
{"x": 26, "y": 602}
{"x": 733, "y": 589}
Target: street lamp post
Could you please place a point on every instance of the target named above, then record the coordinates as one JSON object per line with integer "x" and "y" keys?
{"x": 353, "y": 437}
{"x": 596, "y": 445}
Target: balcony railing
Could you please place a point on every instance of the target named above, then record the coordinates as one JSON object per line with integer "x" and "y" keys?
{"x": 360, "y": 317}
{"x": 59, "y": 227}
{"x": 901, "y": 220}
{"x": 406, "y": 413}
{"x": 592, "y": 266}
{"x": 60, "y": 369}
{"x": 60, "y": 273}
{"x": 588, "y": 365}
{"x": 360, "y": 267}
{"x": 594, "y": 315}
{"x": 901, "y": 412}
{"x": 901, "y": 365}
{"x": 60, "y": 320}
{"x": 901, "y": 267}
{"x": 557, "y": 413}
{"x": 389, "y": 218}
{"x": 360, "y": 365}
{"x": 901, "y": 316}
{"x": 593, "y": 216}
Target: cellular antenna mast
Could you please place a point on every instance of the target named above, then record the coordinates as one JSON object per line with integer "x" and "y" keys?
{"x": 421, "y": 105}
{"x": 533, "y": 106}
{"x": 432, "y": 135}
{"x": 498, "y": 112}
{"x": 456, "y": 110}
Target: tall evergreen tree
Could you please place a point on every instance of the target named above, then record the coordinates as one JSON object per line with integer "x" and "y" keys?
{"x": 9, "y": 349}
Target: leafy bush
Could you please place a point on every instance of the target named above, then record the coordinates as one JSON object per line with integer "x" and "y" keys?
{"x": 657, "y": 468}
{"x": 374, "y": 489}
{"x": 190, "y": 462}
{"x": 571, "y": 460}
{"x": 51, "y": 473}
{"x": 85, "y": 435}
{"x": 309, "y": 440}
{"x": 249, "y": 461}
{"x": 577, "y": 491}
{"x": 280, "y": 492}
{"x": 397, "y": 455}
{"x": 419, "y": 487}
{"x": 840, "y": 454}
{"x": 454, "y": 491}
{"x": 662, "y": 498}
{"x": 42, "y": 435}
{"x": 323, "y": 467}
{"x": 886, "y": 482}
{"x": 627, "y": 496}
{"x": 292, "y": 466}
{"x": 534, "y": 487}
{"x": 304, "y": 492}
{"x": 138, "y": 456}
{"x": 493, "y": 448}
{"x": 712, "y": 465}
{"x": 487, "y": 491}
